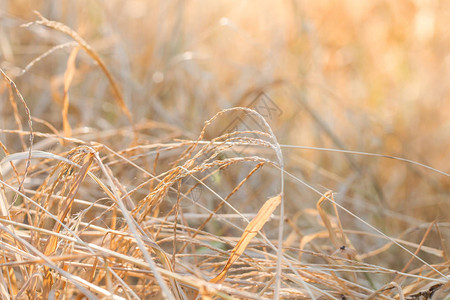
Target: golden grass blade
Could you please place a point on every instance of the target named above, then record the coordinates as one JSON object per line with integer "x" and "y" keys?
{"x": 399, "y": 277}
{"x": 444, "y": 244}
{"x": 250, "y": 232}
{"x": 68, "y": 76}
{"x": 324, "y": 216}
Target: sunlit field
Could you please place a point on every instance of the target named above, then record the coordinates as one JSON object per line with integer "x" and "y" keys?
{"x": 225, "y": 149}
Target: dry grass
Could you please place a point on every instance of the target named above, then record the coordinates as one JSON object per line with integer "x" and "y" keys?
{"x": 126, "y": 173}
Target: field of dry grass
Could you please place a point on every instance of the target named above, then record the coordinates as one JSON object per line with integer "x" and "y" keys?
{"x": 224, "y": 149}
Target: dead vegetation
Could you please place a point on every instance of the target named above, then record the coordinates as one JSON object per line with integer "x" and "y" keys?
{"x": 197, "y": 150}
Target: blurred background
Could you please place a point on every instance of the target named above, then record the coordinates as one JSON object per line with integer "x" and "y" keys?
{"x": 369, "y": 76}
